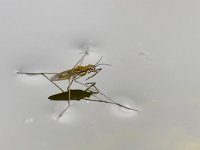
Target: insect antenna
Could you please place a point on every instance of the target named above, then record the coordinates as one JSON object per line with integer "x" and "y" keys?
{"x": 103, "y": 64}
{"x": 97, "y": 64}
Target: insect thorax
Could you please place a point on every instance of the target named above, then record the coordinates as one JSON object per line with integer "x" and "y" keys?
{"x": 83, "y": 70}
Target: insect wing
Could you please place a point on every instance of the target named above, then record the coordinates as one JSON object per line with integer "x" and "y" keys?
{"x": 62, "y": 76}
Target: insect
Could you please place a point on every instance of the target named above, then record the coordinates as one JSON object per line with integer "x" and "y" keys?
{"x": 78, "y": 94}
{"x": 78, "y": 71}
{"x": 73, "y": 74}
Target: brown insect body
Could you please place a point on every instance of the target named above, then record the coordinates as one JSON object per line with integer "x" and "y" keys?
{"x": 76, "y": 73}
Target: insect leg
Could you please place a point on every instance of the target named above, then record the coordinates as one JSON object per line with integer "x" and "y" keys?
{"x": 112, "y": 103}
{"x": 98, "y": 61}
{"x": 81, "y": 59}
{"x": 68, "y": 88}
{"x": 96, "y": 72}
{"x": 92, "y": 84}
{"x": 61, "y": 114}
{"x": 38, "y": 73}
{"x": 68, "y": 100}
{"x": 103, "y": 94}
{"x": 52, "y": 82}
{"x": 43, "y": 74}
{"x": 111, "y": 100}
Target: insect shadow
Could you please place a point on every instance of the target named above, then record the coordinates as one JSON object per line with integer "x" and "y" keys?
{"x": 78, "y": 94}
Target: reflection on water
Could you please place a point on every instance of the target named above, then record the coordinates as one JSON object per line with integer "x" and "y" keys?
{"x": 122, "y": 112}
{"x": 70, "y": 116}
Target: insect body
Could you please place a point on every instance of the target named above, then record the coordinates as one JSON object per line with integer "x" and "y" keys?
{"x": 77, "y": 72}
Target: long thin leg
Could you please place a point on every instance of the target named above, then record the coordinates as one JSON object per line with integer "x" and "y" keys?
{"x": 68, "y": 88}
{"x": 96, "y": 72}
{"x": 52, "y": 82}
{"x": 38, "y": 73}
{"x": 96, "y": 90}
{"x": 43, "y": 74}
{"x": 112, "y": 103}
{"x": 98, "y": 61}
{"x": 92, "y": 84}
{"x": 81, "y": 59}
{"x": 101, "y": 92}
{"x": 68, "y": 100}
{"x": 69, "y": 92}
{"x": 61, "y": 114}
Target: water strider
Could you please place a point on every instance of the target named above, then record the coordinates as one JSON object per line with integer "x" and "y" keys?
{"x": 77, "y": 94}
{"x": 73, "y": 74}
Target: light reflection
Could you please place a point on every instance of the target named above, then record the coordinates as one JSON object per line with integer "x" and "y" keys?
{"x": 123, "y": 112}
{"x": 70, "y": 116}
{"x": 31, "y": 79}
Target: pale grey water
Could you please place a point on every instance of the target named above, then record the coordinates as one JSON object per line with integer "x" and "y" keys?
{"x": 153, "y": 47}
